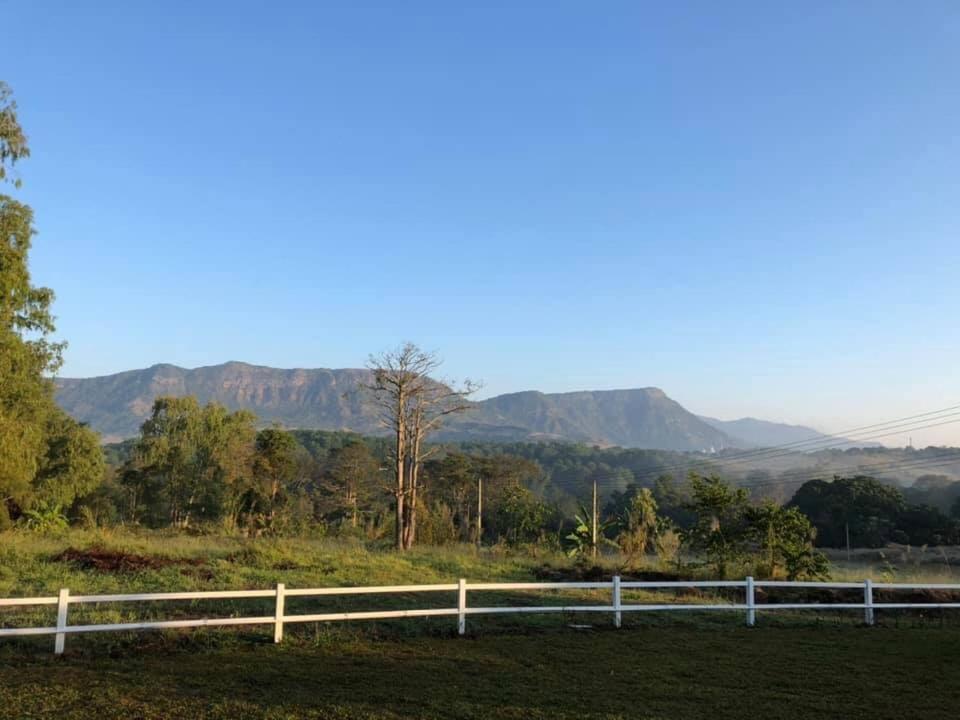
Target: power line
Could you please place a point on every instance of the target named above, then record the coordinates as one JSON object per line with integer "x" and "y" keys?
{"x": 834, "y": 440}
{"x": 804, "y": 475}
{"x": 610, "y": 479}
{"x": 858, "y": 430}
{"x": 720, "y": 459}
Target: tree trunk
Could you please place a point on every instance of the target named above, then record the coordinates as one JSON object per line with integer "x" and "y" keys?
{"x": 401, "y": 471}
{"x": 414, "y": 465}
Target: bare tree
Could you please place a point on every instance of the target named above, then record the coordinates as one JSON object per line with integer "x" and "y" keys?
{"x": 411, "y": 405}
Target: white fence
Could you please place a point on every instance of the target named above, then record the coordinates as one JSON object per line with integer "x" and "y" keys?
{"x": 616, "y": 586}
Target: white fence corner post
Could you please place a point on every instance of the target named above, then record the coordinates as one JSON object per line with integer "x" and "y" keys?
{"x": 751, "y": 603}
{"x": 461, "y": 606}
{"x": 63, "y": 601}
{"x": 278, "y": 614}
{"x": 868, "y": 602}
{"x": 617, "y": 614}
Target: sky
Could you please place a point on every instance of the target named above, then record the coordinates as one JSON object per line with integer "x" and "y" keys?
{"x": 754, "y": 206}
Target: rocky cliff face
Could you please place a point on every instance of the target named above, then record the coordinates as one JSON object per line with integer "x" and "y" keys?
{"x": 116, "y": 405}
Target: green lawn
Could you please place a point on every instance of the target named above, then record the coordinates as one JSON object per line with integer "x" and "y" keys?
{"x": 652, "y": 671}
{"x": 685, "y": 665}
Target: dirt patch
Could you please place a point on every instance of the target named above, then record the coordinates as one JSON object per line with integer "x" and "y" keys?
{"x": 574, "y": 573}
{"x": 104, "y": 560}
{"x": 595, "y": 573}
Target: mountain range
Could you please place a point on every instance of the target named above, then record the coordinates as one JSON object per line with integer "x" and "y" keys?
{"x": 116, "y": 405}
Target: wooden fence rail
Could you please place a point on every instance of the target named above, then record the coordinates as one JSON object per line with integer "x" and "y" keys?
{"x": 616, "y": 608}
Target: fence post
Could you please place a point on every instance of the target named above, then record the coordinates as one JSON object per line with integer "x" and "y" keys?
{"x": 63, "y": 600}
{"x": 868, "y": 602}
{"x": 617, "y": 615}
{"x": 278, "y": 614}
{"x": 751, "y": 603}
{"x": 461, "y": 606}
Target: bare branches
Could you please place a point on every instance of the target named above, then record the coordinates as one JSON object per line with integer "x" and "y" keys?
{"x": 412, "y": 404}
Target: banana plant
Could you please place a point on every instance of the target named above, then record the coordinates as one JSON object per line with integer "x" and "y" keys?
{"x": 45, "y": 517}
{"x": 581, "y": 539}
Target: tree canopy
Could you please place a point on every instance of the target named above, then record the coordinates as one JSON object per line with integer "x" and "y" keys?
{"x": 44, "y": 456}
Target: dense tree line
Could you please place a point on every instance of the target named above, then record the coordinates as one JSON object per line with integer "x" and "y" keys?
{"x": 863, "y": 512}
{"x": 199, "y": 466}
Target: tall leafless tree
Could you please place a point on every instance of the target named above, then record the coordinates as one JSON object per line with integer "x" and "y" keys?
{"x": 412, "y": 404}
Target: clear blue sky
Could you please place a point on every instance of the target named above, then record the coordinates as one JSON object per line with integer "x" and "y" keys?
{"x": 754, "y": 206}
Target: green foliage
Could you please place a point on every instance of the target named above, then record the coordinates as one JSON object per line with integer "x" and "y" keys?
{"x": 40, "y": 451}
{"x": 869, "y": 509}
{"x": 520, "y": 515}
{"x": 727, "y": 530}
{"x": 784, "y": 538}
{"x": 939, "y": 491}
{"x": 320, "y": 444}
{"x": 580, "y": 541}
{"x": 436, "y": 524}
{"x": 278, "y": 473}
{"x": 13, "y": 141}
{"x": 45, "y": 517}
{"x": 349, "y": 484}
{"x": 191, "y": 463}
{"x": 72, "y": 464}
{"x": 639, "y": 525}
{"x": 719, "y": 530}
{"x": 873, "y": 512}
{"x": 454, "y": 480}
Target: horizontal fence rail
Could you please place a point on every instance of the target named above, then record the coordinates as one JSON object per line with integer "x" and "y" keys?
{"x": 616, "y": 586}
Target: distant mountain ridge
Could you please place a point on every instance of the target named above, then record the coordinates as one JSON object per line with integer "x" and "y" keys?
{"x": 332, "y": 399}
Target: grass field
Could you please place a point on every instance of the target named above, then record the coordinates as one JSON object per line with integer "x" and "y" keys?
{"x": 656, "y": 666}
{"x": 658, "y": 671}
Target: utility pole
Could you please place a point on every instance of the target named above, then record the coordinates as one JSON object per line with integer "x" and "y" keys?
{"x": 595, "y": 519}
{"x": 479, "y": 509}
{"x": 847, "y": 525}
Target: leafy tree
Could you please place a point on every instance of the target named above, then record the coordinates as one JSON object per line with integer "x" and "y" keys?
{"x": 784, "y": 537}
{"x": 437, "y": 526}
{"x": 27, "y": 354}
{"x": 869, "y": 509}
{"x": 453, "y": 480}
{"x": 320, "y": 444}
{"x": 639, "y": 524}
{"x": 13, "y": 141}
{"x": 191, "y": 462}
{"x": 939, "y": 491}
{"x": 673, "y": 502}
{"x": 719, "y": 530}
{"x": 926, "y": 525}
{"x": 109, "y": 503}
{"x": 349, "y": 482}
{"x": 72, "y": 464}
{"x": 278, "y": 473}
{"x": 520, "y": 515}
